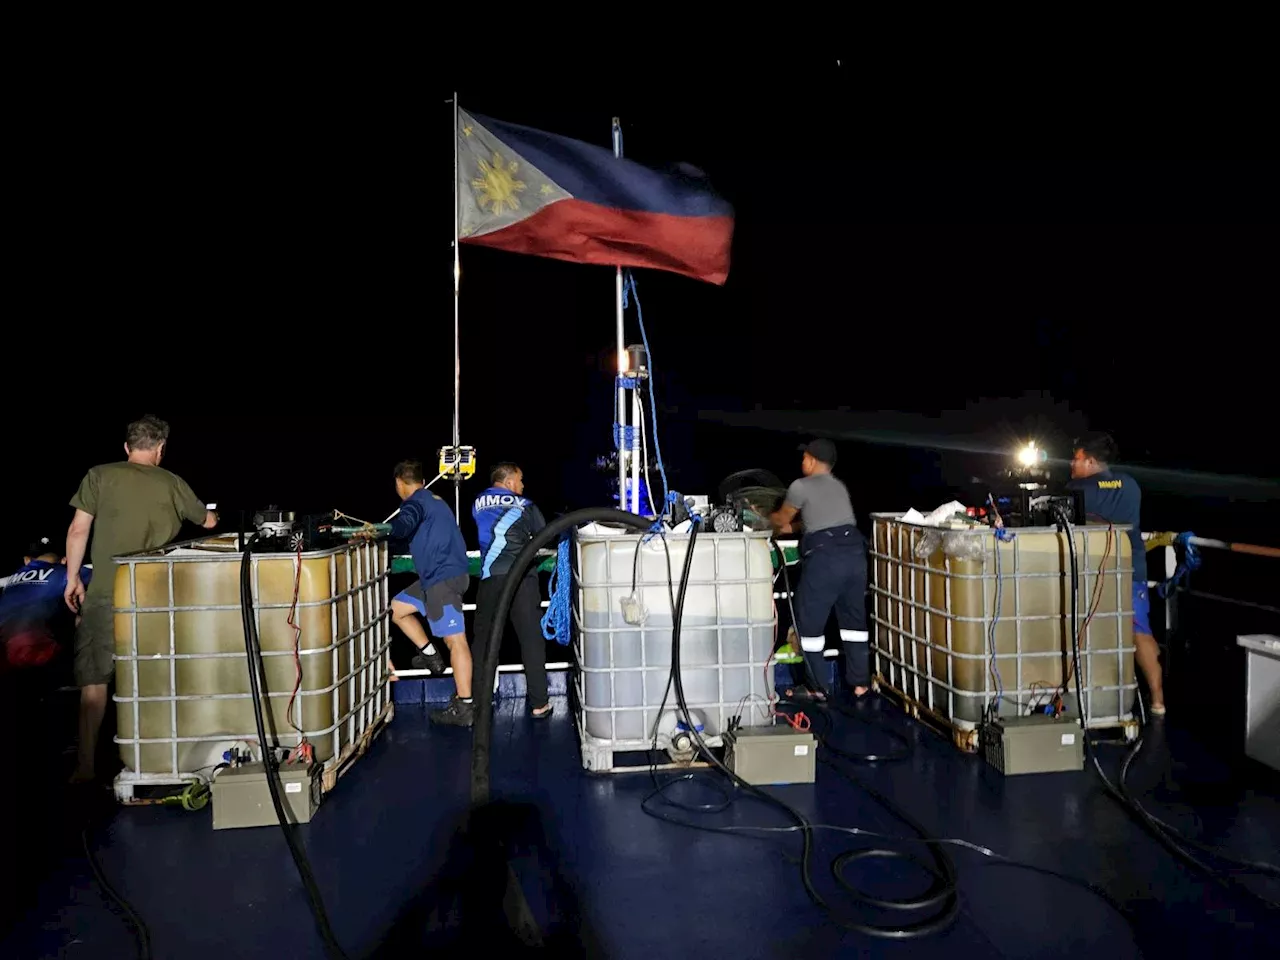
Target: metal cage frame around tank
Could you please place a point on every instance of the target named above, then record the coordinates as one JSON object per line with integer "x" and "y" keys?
{"x": 910, "y": 609}
{"x": 366, "y": 591}
{"x": 597, "y": 752}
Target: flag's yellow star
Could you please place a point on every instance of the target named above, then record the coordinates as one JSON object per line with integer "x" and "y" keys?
{"x": 497, "y": 186}
{"x": 546, "y": 189}
{"x": 466, "y": 131}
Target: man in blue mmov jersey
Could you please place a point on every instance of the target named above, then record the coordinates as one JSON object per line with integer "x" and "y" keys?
{"x": 440, "y": 559}
{"x": 32, "y": 613}
{"x": 1114, "y": 497}
{"x": 506, "y": 521}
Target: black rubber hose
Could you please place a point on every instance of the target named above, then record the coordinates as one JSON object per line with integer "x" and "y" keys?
{"x": 482, "y": 682}
{"x": 139, "y": 926}
{"x": 253, "y": 660}
{"x": 1167, "y": 838}
{"x": 942, "y": 895}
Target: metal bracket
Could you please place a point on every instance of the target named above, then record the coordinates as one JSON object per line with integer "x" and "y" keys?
{"x": 457, "y": 462}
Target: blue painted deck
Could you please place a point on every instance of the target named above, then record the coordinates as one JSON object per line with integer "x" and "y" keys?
{"x": 642, "y": 888}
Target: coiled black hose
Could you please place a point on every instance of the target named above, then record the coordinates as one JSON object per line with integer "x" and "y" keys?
{"x": 941, "y": 896}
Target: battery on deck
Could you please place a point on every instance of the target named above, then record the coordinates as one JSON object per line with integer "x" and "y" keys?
{"x": 242, "y": 798}
{"x": 1034, "y": 744}
{"x": 778, "y": 754}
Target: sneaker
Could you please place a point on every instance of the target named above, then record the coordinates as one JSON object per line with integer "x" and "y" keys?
{"x": 432, "y": 661}
{"x": 458, "y": 713}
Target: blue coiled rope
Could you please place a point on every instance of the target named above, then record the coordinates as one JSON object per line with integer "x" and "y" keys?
{"x": 1189, "y": 563}
{"x": 557, "y": 622}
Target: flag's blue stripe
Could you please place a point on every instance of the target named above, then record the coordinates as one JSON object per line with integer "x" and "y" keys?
{"x": 593, "y": 174}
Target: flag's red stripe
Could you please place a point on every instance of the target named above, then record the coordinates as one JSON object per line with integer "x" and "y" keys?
{"x": 582, "y": 232}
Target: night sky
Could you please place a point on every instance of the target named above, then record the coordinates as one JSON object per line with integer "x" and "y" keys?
{"x": 920, "y": 270}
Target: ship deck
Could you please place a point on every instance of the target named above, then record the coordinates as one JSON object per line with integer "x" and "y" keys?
{"x": 605, "y": 879}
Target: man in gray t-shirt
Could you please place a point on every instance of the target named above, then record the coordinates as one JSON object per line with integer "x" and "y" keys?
{"x": 822, "y": 501}
{"x": 833, "y": 570}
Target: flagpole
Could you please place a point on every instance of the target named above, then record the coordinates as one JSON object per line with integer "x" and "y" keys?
{"x": 624, "y": 450}
{"x": 457, "y": 344}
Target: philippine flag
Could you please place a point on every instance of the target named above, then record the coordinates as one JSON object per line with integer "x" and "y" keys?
{"x": 531, "y": 192}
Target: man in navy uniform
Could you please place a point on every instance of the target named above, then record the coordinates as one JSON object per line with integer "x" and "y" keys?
{"x": 440, "y": 559}
{"x": 834, "y": 570}
{"x": 506, "y": 521}
{"x": 1114, "y": 497}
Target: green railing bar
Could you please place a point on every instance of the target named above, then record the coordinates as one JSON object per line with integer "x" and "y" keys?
{"x": 403, "y": 563}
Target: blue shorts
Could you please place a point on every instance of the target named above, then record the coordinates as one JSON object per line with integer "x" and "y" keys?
{"x": 440, "y": 604}
{"x": 1141, "y": 609}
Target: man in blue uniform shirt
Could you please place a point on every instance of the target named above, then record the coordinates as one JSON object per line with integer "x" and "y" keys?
{"x": 31, "y": 608}
{"x": 440, "y": 559}
{"x": 507, "y": 521}
{"x": 1114, "y": 497}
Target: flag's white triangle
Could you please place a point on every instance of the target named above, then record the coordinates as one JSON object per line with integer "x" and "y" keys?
{"x": 496, "y": 186}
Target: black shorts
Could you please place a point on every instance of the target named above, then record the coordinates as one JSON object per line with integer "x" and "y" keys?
{"x": 440, "y": 604}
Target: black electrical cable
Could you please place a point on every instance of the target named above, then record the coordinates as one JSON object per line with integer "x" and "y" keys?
{"x": 903, "y": 753}
{"x": 944, "y": 876}
{"x": 942, "y": 895}
{"x": 253, "y": 660}
{"x": 727, "y": 796}
{"x": 141, "y": 934}
{"x": 1241, "y": 865}
{"x": 1167, "y": 837}
{"x": 483, "y": 733}
{"x": 940, "y": 876}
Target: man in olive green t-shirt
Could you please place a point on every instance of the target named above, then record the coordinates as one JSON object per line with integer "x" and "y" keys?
{"x": 131, "y": 506}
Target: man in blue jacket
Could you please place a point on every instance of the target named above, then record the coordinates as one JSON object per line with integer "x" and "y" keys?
{"x": 32, "y": 613}
{"x": 440, "y": 559}
{"x": 506, "y": 521}
{"x": 1114, "y": 497}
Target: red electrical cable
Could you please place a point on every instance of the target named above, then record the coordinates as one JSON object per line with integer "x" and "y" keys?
{"x": 303, "y": 750}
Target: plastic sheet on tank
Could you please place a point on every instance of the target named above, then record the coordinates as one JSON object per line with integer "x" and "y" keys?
{"x": 946, "y": 623}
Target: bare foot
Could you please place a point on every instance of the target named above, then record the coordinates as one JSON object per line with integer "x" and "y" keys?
{"x": 860, "y": 691}
{"x": 541, "y": 711}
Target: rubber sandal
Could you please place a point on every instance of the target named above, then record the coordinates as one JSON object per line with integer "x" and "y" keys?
{"x": 1158, "y": 711}
{"x": 547, "y": 711}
